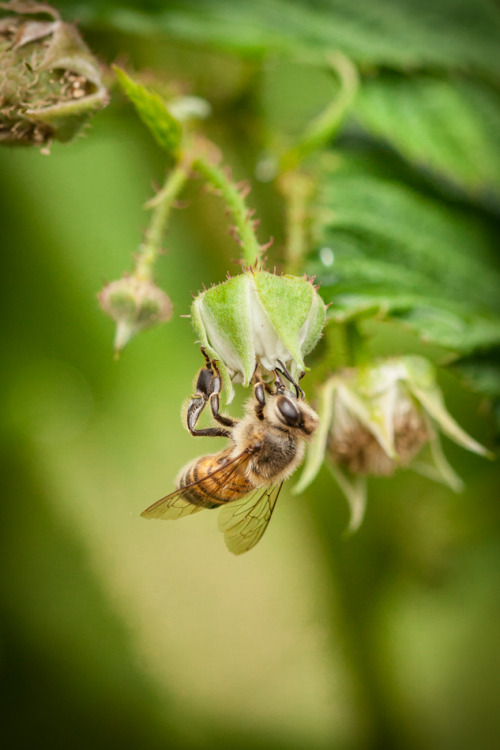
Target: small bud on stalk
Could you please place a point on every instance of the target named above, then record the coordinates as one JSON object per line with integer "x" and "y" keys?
{"x": 135, "y": 305}
{"x": 258, "y": 318}
{"x": 50, "y": 83}
{"x": 378, "y": 418}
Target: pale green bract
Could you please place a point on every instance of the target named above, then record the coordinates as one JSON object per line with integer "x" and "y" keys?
{"x": 381, "y": 417}
{"x": 258, "y": 318}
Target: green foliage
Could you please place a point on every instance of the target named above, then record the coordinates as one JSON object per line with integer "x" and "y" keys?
{"x": 153, "y": 111}
{"x": 404, "y": 229}
{"x": 397, "y": 33}
{"x": 399, "y": 253}
{"x": 448, "y": 126}
{"x": 428, "y": 88}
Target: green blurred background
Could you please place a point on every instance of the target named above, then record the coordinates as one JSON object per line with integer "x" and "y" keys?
{"x": 128, "y": 634}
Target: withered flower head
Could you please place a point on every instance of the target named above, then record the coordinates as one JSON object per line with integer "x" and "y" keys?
{"x": 381, "y": 417}
{"x": 50, "y": 83}
{"x": 134, "y": 304}
{"x": 377, "y": 425}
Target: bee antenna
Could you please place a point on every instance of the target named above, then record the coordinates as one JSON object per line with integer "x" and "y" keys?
{"x": 298, "y": 390}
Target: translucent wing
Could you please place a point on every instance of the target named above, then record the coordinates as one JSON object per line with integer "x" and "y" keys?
{"x": 244, "y": 521}
{"x": 176, "y": 505}
{"x": 171, "y": 507}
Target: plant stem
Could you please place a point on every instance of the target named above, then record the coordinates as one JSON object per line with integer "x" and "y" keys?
{"x": 325, "y": 125}
{"x": 244, "y": 225}
{"x": 297, "y": 189}
{"x": 161, "y": 204}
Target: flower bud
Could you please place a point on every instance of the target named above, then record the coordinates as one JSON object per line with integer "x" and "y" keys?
{"x": 377, "y": 424}
{"x": 135, "y": 305}
{"x": 258, "y": 318}
{"x": 378, "y": 418}
{"x": 50, "y": 84}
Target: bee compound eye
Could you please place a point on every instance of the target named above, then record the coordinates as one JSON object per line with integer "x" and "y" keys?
{"x": 288, "y": 410}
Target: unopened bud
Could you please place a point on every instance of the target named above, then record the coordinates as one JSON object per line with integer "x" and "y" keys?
{"x": 378, "y": 418}
{"x": 135, "y": 305}
{"x": 377, "y": 425}
{"x": 50, "y": 83}
{"x": 258, "y": 318}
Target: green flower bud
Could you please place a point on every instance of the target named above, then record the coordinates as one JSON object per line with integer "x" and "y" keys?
{"x": 135, "y": 305}
{"x": 50, "y": 83}
{"x": 258, "y": 318}
{"x": 379, "y": 418}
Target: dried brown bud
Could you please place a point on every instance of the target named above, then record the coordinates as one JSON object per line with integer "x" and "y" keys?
{"x": 50, "y": 83}
{"x": 393, "y": 437}
{"x": 378, "y": 418}
{"x": 135, "y": 305}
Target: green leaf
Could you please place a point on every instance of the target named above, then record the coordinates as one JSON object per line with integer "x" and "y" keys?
{"x": 395, "y": 33}
{"x": 420, "y": 242}
{"x": 482, "y": 372}
{"x": 448, "y": 126}
{"x": 391, "y": 252}
{"x": 436, "y": 321}
{"x": 152, "y": 110}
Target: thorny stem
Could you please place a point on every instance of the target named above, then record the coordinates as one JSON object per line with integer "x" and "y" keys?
{"x": 235, "y": 201}
{"x": 161, "y": 204}
{"x": 326, "y": 124}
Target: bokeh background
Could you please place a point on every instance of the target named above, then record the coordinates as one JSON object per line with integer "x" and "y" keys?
{"x": 122, "y": 633}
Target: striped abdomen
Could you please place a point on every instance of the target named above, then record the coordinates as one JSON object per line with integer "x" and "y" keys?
{"x": 216, "y": 479}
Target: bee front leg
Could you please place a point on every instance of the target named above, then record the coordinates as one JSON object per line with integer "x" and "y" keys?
{"x": 259, "y": 392}
{"x": 279, "y": 386}
{"x": 208, "y": 384}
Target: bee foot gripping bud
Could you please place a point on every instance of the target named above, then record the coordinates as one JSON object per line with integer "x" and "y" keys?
{"x": 50, "y": 83}
{"x": 135, "y": 305}
{"x": 258, "y": 318}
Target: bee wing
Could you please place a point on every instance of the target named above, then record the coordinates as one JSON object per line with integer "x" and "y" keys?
{"x": 244, "y": 521}
{"x": 171, "y": 507}
{"x": 176, "y": 505}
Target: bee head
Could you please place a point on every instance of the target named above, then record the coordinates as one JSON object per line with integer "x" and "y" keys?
{"x": 295, "y": 414}
{"x": 288, "y": 411}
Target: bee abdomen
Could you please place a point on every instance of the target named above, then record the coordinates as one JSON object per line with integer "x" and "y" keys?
{"x": 213, "y": 483}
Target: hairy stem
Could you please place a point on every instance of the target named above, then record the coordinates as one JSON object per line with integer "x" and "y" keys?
{"x": 235, "y": 201}
{"x": 161, "y": 205}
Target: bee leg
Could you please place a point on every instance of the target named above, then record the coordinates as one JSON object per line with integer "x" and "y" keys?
{"x": 207, "y": 384}
{"x": 208, "y": 365}
{"x": 278, "y": 383}
{"x": 196, "y": 406}
{"x": 259, "y": 392}
{"x": 298, "y": 390}
{"x": 216, "y": 387}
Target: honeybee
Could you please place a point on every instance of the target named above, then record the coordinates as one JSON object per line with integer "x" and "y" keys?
{"x": 246, "y": 477}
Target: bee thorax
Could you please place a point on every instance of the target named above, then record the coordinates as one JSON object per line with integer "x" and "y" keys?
{"x": 276, "y": 458}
